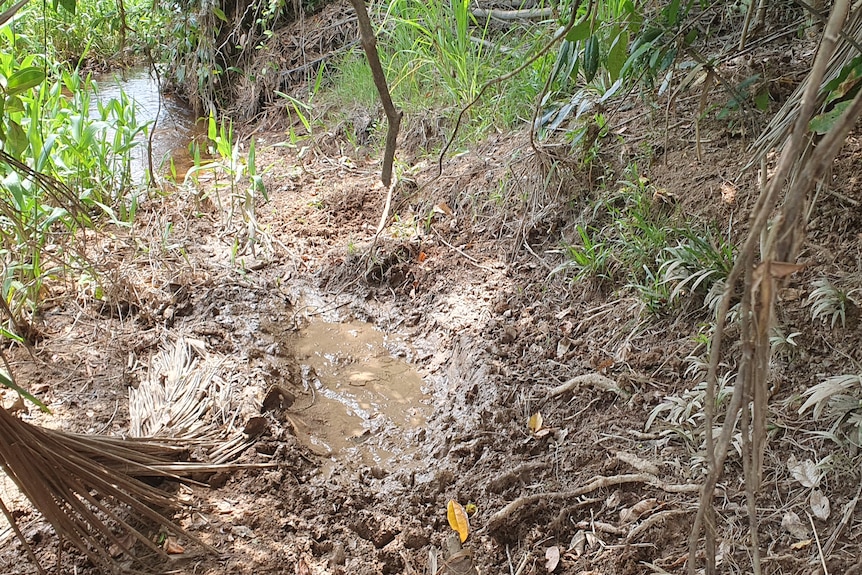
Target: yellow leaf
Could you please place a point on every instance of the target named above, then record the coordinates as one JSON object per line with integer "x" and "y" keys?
{"x": 535, "y": 422}
{"x": 458, "y": 519}
{"x": 801, "y": 544}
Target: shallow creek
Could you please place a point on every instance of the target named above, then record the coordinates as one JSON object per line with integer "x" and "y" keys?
{"x": 175, "y": 123}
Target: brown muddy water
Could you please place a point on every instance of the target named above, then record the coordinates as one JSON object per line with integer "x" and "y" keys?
{"x": 368, "y": 406}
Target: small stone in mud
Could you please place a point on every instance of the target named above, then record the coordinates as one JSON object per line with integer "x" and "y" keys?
{"x": 338, "y": 557}
{"x": 255, "y": 426}
{"x": 510, "y": 334}
{"x": 277, "y": 398}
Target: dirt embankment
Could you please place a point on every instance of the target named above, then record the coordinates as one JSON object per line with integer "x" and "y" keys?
{"x": 462, "y": 276}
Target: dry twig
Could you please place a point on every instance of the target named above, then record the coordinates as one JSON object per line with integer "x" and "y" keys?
{"x": 508, "y": 514}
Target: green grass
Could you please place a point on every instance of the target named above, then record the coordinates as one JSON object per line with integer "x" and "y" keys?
{"x": 83, "y": 167}
{"x": 435, "y": 63}
{"x": 634, "y": 237}
{"x": 93, "y": 35}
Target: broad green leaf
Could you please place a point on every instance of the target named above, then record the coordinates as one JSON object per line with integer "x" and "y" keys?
{"x": 635, "y": 57}
{"x": 252, "y": 154}
{"x": 567, "y": 59}
{"x": 580, "y": 31}
{"x": 851, "y": 68}
{"x": 5, "y": 333}
{"x": 219, "y": 14}
{"x": 667, "y": 60}
{"x": 690, "y": 37}
{"x": 112, "y": 215}
{"x": 617, "y": 55}
{"x": 671, "y": 13}
{"x": 822, "y": 123}
{"x": 68, "y": 5}
{"x": 591, "y": 58}
{"x": 16, "y": 139}
{"x": 212, "y": 129}
{"x": 762, "y": 100}
{"x": 14, "y": 105}
{"x": 24, "y": 79}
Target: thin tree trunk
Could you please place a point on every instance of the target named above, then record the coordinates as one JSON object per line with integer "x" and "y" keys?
{"x": 393, "y": 115}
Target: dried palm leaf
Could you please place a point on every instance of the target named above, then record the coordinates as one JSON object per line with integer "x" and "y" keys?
{"x": 778, "y": 129}
{"x": 187, "y": 396}
{"x": 88, "y": 488}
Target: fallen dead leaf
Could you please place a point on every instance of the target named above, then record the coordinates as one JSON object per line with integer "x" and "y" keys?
{"x": 172, "y": 547}
{"x": 360, "y": 379}
{"x": 552, "y": 557}
{"x": 443, "y": 208}
{"x": 805, "y": 472}
{"x": 819, "y": 504}
{"x": 458, "y": 519}
{"x": 793, "y": 525}
{"x": 535, "y": 422}
{"x": 801, "y": 544}
{"x": 578, "y": 543}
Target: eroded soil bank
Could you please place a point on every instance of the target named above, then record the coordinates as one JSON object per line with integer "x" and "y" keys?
{"x": 459, "y": 287}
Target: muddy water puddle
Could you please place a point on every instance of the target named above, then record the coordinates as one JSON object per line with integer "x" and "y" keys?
{"x": 368, "y": 407}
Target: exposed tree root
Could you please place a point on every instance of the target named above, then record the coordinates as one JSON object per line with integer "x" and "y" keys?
{"x": 509, "y": 514}
{"x": 594, "y": 380}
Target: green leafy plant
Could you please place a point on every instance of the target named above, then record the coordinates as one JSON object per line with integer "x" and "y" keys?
{"x": 695, "y": 264}
{"x": 683, "y": 413}
{"x": 590, "y": 259}
{"x": 829, "y": 302}
{"x": 783, "y": 344}
{"x": 244, "y": 184}
{"x": 839, "y": 399}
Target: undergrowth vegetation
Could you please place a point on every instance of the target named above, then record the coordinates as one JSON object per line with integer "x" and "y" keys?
{"x": 66, "y": 151}
{"x": 95, "y": 34}
{"x": 55, "y": 128}
{"x": 636, "y": 238}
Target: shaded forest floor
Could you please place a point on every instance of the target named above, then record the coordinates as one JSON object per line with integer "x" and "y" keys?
{"x": 460, "y": 284}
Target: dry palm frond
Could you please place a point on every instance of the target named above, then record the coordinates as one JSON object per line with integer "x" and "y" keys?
{"x": 778, "y": 129}
{"x": 182, "y": 386}
{"x": 87, "y": 487}
{"x": 187, "y": 397}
